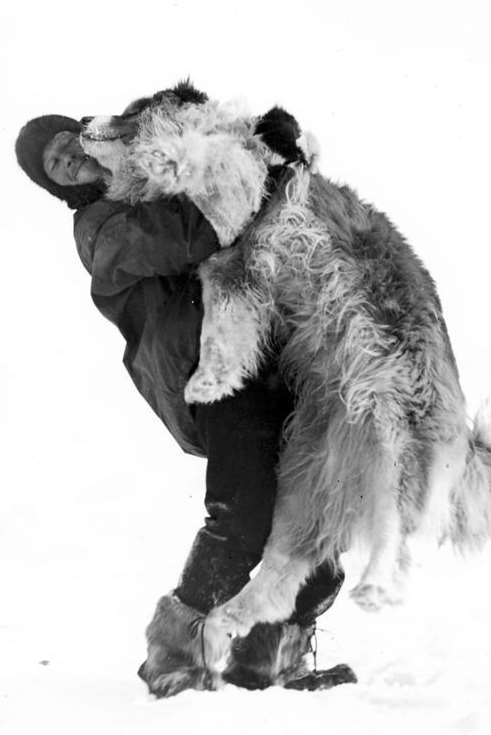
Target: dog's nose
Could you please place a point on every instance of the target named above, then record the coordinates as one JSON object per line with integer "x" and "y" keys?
{"x": 84, "y": 121}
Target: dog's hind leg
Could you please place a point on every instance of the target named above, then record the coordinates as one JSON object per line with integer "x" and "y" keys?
{"x": 382, "y": 524}
{"x": 378, "y": 584}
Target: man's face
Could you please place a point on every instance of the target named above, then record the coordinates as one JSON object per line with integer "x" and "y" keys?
{"x": 66, "y": 163}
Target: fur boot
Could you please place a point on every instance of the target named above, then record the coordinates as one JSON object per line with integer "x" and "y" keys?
{"x": 270, "y": 655}
{"x": 175, "y": 659}
{"x": 277, "y": 655}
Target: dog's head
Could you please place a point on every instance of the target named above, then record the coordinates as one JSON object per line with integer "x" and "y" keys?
{"x": 163, "y": 144}
{"x": 107, "y": 138}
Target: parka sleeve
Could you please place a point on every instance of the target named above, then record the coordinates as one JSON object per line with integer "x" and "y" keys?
{"x": 121, "y": 244}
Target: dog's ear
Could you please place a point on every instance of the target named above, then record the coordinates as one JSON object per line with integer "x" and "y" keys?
{"x": 184, "y": 92}
{"x": 280, "y": 131}
{"x": 135, "y": 107}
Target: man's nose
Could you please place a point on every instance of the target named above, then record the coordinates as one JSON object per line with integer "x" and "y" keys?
{"x": 84, "y": 121}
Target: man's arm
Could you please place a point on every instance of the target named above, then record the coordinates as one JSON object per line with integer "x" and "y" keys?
{"x": 119, "y": 244}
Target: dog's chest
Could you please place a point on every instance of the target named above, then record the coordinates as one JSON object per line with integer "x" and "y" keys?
{"x": 292, "y": 254}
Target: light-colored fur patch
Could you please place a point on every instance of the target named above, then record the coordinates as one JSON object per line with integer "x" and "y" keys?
{"x": 230, "y": 335}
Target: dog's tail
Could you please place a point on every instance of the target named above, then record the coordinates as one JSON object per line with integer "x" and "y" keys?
{"x": 470, "y": 523}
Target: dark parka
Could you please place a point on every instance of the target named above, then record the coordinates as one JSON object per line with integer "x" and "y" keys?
{"x": 142, "y": 260}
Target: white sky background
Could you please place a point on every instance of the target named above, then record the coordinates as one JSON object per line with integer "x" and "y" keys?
{"x": 398, "y": 95}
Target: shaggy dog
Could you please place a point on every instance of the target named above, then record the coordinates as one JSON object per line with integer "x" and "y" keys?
{"x": 378, "y": 446}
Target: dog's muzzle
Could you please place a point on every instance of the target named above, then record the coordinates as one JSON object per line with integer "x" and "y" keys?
{"x": 105, "y": 129}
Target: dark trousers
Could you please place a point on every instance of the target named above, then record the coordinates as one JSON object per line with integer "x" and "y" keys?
{"x": 242, "y": 438}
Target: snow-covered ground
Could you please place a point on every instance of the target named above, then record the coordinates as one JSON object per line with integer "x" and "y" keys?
{"x": 79, "y": 583}
{"x": 98, "y": 506}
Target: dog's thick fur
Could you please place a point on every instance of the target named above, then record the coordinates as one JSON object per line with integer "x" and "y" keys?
{"x": 378, "y": 446}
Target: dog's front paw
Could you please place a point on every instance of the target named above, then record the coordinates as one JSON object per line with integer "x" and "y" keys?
{"x": 222, "y": 625}
{"x": 234, "y": 617}
{"x": 205, "y": 387}
{"x": 217, "y": 645}
{"x": 218, "y": 375}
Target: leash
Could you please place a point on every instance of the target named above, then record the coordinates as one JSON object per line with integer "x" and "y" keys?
{"x": 197, "y": 627}
{"x": 313, "y": 647}
{"x": 202, "y": 636}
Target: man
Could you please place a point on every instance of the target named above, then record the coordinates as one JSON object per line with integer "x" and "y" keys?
{"x": 142, "y": 261}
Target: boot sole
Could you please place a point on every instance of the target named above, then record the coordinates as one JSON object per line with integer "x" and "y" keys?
{"x": 318, "y": 680}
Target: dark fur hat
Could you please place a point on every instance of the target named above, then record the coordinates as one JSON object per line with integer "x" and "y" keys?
{"x": 29, "y": 147}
